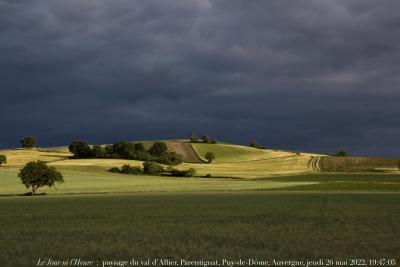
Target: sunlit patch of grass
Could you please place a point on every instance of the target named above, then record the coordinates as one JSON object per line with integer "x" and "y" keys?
{"x": 96, "y": 179}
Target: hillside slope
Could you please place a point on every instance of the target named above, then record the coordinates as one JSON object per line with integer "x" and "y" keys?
{"x": 18, "y": 157}
{"x": 227, "y": 153}
{"x": 248, "y": 162}
{"x": 185, "y": 149}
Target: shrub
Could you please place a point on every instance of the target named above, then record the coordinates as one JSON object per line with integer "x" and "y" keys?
{"x": 191, "y": 172}
{"x": 28, "y": 142}
{"x": 208, "y": 175}
{"x": 128, "y": 169}
{"x": 3, "y": 159}
{"x": 114, "y": 169}
{"x": 213, "y": 141}
{"x": 152, "y": 168}
{"x": 184, "y": 173}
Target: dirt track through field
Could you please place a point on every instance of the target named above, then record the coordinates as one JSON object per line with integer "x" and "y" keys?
{"x": 314, "y": 163}
{"x": 185, "y": 149}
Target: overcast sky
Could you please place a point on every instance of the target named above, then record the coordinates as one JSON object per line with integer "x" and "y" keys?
{"x": 306, "y": 75}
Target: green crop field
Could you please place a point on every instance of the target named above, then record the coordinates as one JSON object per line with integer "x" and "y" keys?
{"x": 194, "y": 226}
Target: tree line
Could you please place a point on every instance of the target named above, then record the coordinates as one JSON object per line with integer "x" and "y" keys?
{"x": 158, "y": 152}
{"x": 204, "y": 139}
{"x": 153, "y": 168}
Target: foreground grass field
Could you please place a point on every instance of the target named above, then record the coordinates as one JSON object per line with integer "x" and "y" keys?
{"x": 193, "y": 226}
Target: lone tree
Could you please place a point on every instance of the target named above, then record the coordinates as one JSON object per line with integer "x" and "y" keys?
{"x": 3, "y": 159}
{"x": 80, "y": 149}
{"x": 28, "y": 142}
{"x": 209, "y": 156}
{"x": 37, "y": 174}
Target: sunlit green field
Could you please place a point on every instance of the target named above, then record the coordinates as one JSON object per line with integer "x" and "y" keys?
{"x": 89, "y": 179}
{"x": 235, "y": 153}
{"x": 235, "y": 225}
{"x": 350, "y": 182}
{"x": 91, "y": 176}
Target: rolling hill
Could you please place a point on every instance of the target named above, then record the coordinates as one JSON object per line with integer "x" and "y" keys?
{"x": 235, "y": 168}
{"x": 231, "y": 160}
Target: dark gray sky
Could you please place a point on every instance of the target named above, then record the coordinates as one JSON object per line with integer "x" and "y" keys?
{"x": 307, "y": 75}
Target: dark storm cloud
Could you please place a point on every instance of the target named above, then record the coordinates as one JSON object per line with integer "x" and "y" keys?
{"x": 304, "y": 75}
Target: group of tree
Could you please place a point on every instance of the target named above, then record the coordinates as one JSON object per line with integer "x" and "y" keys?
{"x": 36, "y": 174}
{"x": 3, "y": 159}
{"x": 256, "y": 145}
{"x": 153, "y": 168}
{"x": 28, "y": 142}
{"x": 341, "y": 153}
{"x": 158, "y": 152}
{"x": 204, "y": 139}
